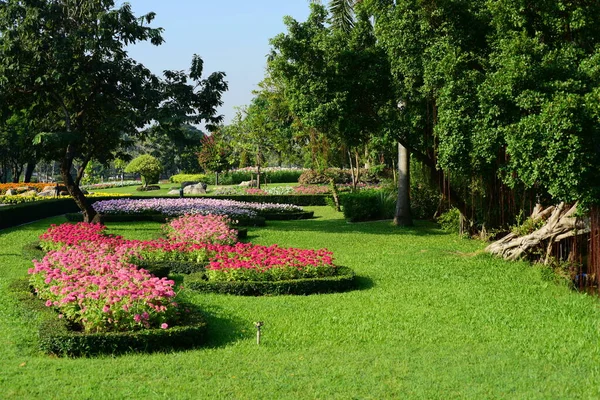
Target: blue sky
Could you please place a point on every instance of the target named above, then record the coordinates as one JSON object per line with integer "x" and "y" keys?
{"x": 230, "y": 36}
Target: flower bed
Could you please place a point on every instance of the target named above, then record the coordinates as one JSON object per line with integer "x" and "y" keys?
{"x": 176, "y": 207}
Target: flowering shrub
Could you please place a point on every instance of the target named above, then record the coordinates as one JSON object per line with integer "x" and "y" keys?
{"x": 175, "y": 207}
{"x": 201, "y": 229}
{"x": 280, "y": 190}
{"x": 256, "y": 192}
{"x": 311, "y": 189}
{"x": 29, "y": 186}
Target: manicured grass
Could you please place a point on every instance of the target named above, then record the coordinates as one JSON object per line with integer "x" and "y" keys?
{"x": 434, "y": 318}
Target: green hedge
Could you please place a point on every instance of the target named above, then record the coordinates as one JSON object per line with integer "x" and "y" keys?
{"x": 164, "y": 268}
{"x": 56, "y": 337}
{"x": 287, "y": 216}
{"x": 345, "y": 280}
{"x": 180, "y": 178}
{"x": 28, "y": 212}
{"x": 368, "y": 205}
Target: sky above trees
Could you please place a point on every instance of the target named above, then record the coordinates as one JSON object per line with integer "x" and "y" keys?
{"x": 230, "y": 36}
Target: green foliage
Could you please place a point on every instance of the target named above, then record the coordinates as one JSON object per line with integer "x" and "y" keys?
{"x": 147, "y": 166}
{"x": 529, "y": 225}
{"x": 367, "y": 205}
{"x": 180, "y": 178}
{"x": 344, "y": 280}
{"x": 450, "y": 220}
{"x": 424, "y": 200}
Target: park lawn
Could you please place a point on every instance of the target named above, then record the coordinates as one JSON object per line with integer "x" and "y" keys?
{"x": 434, "y": 318}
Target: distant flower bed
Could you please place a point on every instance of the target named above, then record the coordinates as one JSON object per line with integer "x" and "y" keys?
{"x": 181, "y": 206}
{"x": 18, "y": 199}
{"x": 110, "y": 185}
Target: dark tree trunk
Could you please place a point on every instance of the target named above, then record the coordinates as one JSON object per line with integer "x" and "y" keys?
{"x": 89, "y": 214}
{"x": 81, "y": 170}
{"x": 29, "y": 171}
{"x": 16, "y": 172}
{"x": 403, "y": 216}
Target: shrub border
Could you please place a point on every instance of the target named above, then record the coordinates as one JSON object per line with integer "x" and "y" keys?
{"x": 345, "y": 280}
{"x": 56, "y": 338}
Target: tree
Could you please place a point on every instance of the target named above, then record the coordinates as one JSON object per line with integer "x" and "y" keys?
{"x": 147, "y": 166}
{"x": 214, "y": 155}
{"x": 67, "y": 59}
{"x": 336, "y": 82}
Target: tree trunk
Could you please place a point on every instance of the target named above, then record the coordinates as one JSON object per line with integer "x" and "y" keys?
{"x": 560, "y": 224}
{"x": 403, "y": 216}
{"x": 89, "y": 214}
{"x": 29, "y": 171}
{"x": 81, "y": 170}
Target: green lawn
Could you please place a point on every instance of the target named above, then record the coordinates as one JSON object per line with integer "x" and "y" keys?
{"x": 434, "y": 318}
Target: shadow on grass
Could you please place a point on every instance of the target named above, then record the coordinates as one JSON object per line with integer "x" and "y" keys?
{"x": 421, "y": 228}
{"x": 364, "y": 283}
{"x": 222, "y": 331}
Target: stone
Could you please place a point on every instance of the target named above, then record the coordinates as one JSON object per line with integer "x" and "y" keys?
{"x": 251, "y": 183}
{"x": 195, "y": 189}
{"x": 11, "y": 192}
{"x": 173, "y": 192}
{"x": 47, "y": 193}
{"x": 29, "y": 193}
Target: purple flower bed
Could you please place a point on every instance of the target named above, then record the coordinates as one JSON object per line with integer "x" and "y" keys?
{"x": 176, "y": 207}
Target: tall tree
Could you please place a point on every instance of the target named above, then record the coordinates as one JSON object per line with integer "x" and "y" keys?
{"x": 68, "y": 59}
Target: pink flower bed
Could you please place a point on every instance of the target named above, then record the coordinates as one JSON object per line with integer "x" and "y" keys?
{"x": 202, "y": 229}
{"x": 91, "y": 285}
{"x": 311, "y": 189}
{"x": 249, "y": 262}
{"x": 91, "y": 277}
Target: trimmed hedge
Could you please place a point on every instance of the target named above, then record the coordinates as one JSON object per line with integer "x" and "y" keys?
{"x": 287, "y": 216}
{"x": 56, "y": 337}
{"x": 28, "y": 212}
{"x": 345, "y": 280}
{"x": 164, "y": 268}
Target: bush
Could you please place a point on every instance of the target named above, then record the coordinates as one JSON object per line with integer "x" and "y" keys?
{"x": 147, "y": 188}
{"x": 56, "y": 337}
{"x": 366, "y": 205}
{"x": 180, "y": 178}
{"x": 424, "y": 201}
{"x": 344, "y": 280}
{"x": 147, "y": 166}
{"x": 450, "y": 220}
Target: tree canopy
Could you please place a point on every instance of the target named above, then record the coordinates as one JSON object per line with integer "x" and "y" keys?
{"x": 65, "y": 61}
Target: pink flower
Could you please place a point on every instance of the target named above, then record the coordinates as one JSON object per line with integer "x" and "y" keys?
{"x": 164, "y": 325}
